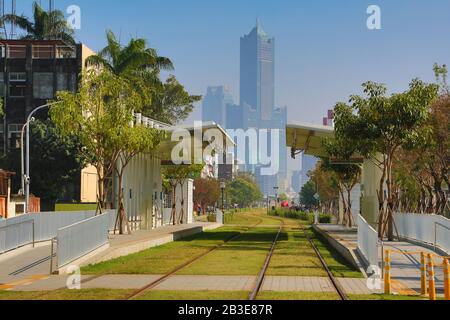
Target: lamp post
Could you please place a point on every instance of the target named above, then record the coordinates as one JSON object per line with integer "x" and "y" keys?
{"x": 223, "y": 185}
{"x": 276, "y": 196}
{"x": 26, "y": 181}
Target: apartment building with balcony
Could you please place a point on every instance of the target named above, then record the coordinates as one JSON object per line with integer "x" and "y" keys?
{"x": 31, "y": 73}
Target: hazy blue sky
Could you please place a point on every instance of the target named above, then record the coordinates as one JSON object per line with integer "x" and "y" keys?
{"x": 324, "y": 50}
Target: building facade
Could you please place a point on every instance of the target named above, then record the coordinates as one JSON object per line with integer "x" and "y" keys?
{"x": 257, "y": 101}
{"x": 31, "y": 74}
{"x": 215, "y": 105}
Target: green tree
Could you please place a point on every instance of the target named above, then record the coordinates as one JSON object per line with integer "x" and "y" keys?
{"x": 177, "y": 175}
{"x": 166, "y": 101}
{"x": 96, "y": 116}
{"x": 379, "y": 125}
{"x": 347, "y": 174}
{"x": 207, "y": 193}
{"x": 243, "y": 191}
{"x": 55, "y": 165}
{"x": 132, "y": 140}
{"x": 45, "y": 25}
{"x": 131, "y": 60}
{"x": 307, "y": 195}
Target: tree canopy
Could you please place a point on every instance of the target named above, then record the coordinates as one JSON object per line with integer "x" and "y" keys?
{"x": 45, "y": 25}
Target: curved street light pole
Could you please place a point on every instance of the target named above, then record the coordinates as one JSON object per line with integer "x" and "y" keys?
{"x": 26, "y": 177}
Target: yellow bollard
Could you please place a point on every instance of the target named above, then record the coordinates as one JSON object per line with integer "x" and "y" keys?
{"x": 423, "y": 274}
{"x": 432, "y": 284}
{"x": 387, "y": 273}
{"x": 447, "y": 279}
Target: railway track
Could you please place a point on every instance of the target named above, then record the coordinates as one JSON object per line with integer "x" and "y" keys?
{"x": 161, "y": 279}
{"x": 262, "y": 275}
{"x": 337, "y": 286}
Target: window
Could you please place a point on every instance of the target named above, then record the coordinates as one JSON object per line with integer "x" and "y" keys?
{"x": 2, "y": 84}
{"x": 16, "y": 91}
{"x": 66, "y": 81}
{"x": 18, "y": 76}
{"x": 43, "y": 85}
{"x": 14, "y": 135}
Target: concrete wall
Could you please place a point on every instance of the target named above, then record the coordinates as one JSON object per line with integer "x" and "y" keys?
{"x": 142, "y": 186}
{"x": 89, "y": 185}
{"x": 371, "y": 177}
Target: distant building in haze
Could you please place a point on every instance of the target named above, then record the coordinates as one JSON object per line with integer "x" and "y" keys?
{"x": 296, "y": 181}
{"x": 215, "y": 104}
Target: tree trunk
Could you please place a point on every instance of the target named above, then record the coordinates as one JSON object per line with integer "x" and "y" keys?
{"x": 122, "y": 217}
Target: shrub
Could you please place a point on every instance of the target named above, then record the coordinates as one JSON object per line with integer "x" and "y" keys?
{"x": 325, "y": 218}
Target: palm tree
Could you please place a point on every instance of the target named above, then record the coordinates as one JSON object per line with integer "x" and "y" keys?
{"x": 130, "y": 60}
{"x": 44, "y": 25}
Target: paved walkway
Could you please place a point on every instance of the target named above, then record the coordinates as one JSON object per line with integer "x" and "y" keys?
{"x": 405, "y": 267}
{"x": 192, "y": 283}
{"x": 24, "y": 263}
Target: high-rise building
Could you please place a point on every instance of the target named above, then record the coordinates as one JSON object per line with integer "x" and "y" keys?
{"x": 308, "y": 164}
{"x": 258, "y": 72}
{"x": 215, "y": 104}
{"x": 296, "y": 181}
{"x": 257, "y": 95}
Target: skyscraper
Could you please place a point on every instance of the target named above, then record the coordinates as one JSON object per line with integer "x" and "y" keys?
{"x": 257, "y": 101}
{"x": 215, "y": 104}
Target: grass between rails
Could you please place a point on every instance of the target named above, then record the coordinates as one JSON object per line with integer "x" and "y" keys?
{"x": 336, "y": 263}
{"x": 194, "y": 295}
{"x": 242, "y": 256}
{"x": 160, "y": 260}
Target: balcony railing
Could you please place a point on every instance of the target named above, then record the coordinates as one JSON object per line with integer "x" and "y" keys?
{"x": 38, "y": 52}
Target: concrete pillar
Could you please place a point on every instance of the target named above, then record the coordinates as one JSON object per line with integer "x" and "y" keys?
{"x": 371, "y": 176}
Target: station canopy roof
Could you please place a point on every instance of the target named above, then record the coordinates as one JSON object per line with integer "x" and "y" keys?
{"x": 308, "y": 137}
{"x": 166, "y": 147}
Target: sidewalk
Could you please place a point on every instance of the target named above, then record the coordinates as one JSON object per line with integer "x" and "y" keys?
{"x": 26, "y": 262}
{"x": 405, "y": 267}
{"x": 197, "y": 283}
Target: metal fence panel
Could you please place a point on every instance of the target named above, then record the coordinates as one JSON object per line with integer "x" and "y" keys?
{"x": 18, "y": 231}
{"x": 79, "y": 239}
{"x": 427, "y": 228}
{"x": 368, "y": 242}
{"x": 15, "y": 233}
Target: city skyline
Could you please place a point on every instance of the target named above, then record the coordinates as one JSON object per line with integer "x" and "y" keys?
{"x": 324, "y": 48}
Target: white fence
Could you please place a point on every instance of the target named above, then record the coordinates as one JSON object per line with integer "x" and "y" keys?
{"x": 29, "y": 228}
{"x": 429, "y": 229}
{"x": 368, "y": 243}
{"x": 79, "y": 239}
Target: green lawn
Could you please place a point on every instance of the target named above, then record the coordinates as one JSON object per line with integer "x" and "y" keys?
{"x": 160, "y": 260}
{"x": 242, "y": 256}
{"x": 336, "y": 263}
{"x": 194, "y": 295}
{"x": 294, "y": 256}
{"x": 94, "y": 294}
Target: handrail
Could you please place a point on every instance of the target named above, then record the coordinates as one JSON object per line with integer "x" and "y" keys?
{"x": 436, "y": 225}
{"x": 21, "y": 223}
{"x": 77, "y": 223}
{"x": 52, "y": 254}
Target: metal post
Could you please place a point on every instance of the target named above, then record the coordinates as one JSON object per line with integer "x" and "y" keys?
{"x": 423, "y": 274}
{"x": 447, "y": 279}
{"x": 431, "y": 280}
{"x": 387, "y": 273}
{"x": 27, "y": 182}
{"x": 34, "y": 239}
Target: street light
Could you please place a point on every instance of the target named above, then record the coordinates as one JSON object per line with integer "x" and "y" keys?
{"x": 223, "y": 185}
{"x": 276, "y": 196}
{"x": 26, "y": 181}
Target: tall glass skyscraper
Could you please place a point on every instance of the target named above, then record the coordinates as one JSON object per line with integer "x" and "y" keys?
{"x": 257, "y": 95}
{"x": 215, "y": 104}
